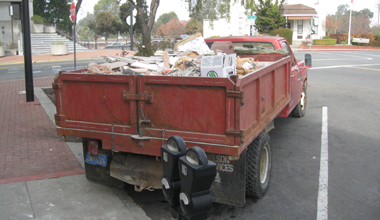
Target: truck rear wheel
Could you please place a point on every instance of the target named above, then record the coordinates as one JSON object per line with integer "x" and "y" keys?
{"x": 300, "y": 110}
{"x": 98, "y": 173}
{"x": 258, "y": 166}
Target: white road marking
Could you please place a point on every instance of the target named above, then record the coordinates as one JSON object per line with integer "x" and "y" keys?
{"x": 322, "y": 209}
{"x": 349, "y": 55}
{"x": 332, "y": 59}
{"x": 341, "y": 66}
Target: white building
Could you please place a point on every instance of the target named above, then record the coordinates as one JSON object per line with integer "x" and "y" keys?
{"x": 6, "y": 21}
{"x": 238, "y": 25}
{"x": 297, "y": 12}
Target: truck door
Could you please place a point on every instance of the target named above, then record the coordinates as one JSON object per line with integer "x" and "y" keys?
{"x": 296, "y": 77}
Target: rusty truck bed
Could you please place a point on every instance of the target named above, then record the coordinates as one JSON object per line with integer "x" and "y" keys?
{"x": 135, "y": 113}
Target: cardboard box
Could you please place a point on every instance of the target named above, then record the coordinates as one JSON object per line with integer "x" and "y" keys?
{"x": 218, "y": 66}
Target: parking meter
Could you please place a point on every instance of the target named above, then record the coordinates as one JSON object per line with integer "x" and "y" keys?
{"x": 171, "y": 184}
{"x": 197, "y": 174}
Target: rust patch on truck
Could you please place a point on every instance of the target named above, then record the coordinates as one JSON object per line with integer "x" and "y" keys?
{"x": 144, "y": 172}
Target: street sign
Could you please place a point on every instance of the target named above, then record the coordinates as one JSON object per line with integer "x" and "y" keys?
{"x": 252, "y": 17}
{"x": 72, "y": 12}
{"x": 96, "y": 38}
{"x": 128, "y": 19}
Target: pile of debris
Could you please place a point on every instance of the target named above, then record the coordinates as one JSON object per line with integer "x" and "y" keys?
{"x": 192, "y": 58}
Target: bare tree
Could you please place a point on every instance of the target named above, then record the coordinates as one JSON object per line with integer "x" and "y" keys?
{"x": 146, "y": 22}
{"x": 331, "y": 24}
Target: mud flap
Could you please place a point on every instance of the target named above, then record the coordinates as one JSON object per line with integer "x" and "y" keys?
{"x": 229, "y": 183}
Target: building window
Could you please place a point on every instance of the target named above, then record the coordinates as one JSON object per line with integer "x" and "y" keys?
{"x": 299, "y": 26}
{"x": 242, "y": 2}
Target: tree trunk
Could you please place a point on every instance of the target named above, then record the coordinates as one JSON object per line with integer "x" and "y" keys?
{"x": 77, "y": 6}
{"x": 146, "y": 49}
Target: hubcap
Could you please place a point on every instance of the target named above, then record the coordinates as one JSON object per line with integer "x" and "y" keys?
{"x": 264, "y": 164}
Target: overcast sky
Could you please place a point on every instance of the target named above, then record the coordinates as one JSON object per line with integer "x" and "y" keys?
{"x": 178, "y": 6}
{"x": 166, "y": 6}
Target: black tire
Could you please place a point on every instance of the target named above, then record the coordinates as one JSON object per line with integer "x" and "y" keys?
{"x": 98, "y": 173}
{"x": 300, "y": 110}
{"x": 258, "y": 166}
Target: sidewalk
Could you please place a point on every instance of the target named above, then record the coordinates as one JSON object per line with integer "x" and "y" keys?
{"x": 41, "y": 176}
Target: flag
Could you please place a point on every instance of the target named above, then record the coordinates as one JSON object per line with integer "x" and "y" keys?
{"x": 352, "y": 1}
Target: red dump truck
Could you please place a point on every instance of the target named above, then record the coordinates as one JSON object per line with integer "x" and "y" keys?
{"x": 125, "y": 119}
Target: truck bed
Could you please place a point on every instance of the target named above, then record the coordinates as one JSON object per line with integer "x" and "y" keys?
{"x": 135, "y": 113}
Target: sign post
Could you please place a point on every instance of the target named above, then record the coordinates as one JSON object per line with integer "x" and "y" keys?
{"x": 73, "y": 20}
{"x": 27, "y": 53}
{"x": 131, "y": 26}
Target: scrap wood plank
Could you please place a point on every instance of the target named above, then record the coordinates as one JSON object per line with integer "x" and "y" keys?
{"x": 117, "y": 65}
{"x": 145, "y": 66}
{"x": 123, "y": 59}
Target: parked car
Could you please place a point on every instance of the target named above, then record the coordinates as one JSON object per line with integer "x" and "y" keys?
{"x": 182, "y": 36}
{"x": 114, "y": 45}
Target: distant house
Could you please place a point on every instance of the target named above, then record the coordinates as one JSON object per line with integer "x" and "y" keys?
{"x": 299, "y": 17}
{"x": 304, "y": 21}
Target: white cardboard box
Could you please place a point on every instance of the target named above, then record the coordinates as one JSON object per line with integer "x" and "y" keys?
{"x": 218, "y": 66}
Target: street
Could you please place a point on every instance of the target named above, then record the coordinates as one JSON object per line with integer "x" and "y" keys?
{"x": 341, "y": 183}
{"x": 41, "y": 69}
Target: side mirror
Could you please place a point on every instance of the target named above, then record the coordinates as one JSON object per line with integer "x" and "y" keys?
{"x": 308, "y": 60}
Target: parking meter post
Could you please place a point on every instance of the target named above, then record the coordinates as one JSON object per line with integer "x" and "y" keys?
{"x": 171, "y": 182}
{"x": 197, "y": 175}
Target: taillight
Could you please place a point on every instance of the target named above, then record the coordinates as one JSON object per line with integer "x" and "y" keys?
{"x": 92, "y": 147}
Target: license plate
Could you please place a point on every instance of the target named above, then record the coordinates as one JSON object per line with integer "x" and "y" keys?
{"x": 96, "y": 159}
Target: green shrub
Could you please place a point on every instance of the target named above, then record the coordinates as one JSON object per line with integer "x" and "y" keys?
{"x": 324, "y": 41}
{"x": 343, "y": 42}
{"x": 1, "y": 44}
{"x": 285, "y": 33}
{"x": 37, "y": 19}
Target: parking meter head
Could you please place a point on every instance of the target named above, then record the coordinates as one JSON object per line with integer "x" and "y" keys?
{"x": 170, "y": 154}
{"x": 197, "y": 175}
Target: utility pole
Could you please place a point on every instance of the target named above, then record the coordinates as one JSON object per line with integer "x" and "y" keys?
{"x": 349, "y": 29}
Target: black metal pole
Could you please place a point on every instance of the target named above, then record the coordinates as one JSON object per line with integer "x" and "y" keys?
{"x": 131, "y": 29}
{"x": 29, "y": 88}
{"x": 75, "y": 54}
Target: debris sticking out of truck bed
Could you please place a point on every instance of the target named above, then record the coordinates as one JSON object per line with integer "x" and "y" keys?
{"x": 186, "y": 61}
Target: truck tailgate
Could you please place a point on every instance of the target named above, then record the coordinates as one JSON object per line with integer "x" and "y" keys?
{"x": 93, "y": 105}
{"x": 197, "y": 109}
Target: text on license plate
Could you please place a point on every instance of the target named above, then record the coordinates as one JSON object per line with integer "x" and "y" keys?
{"x": 98, "y": 159}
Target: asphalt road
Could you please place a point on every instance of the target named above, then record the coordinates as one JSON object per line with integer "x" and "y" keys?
{"x": 343, "y": 89}
{"x": 16, "y": 71}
